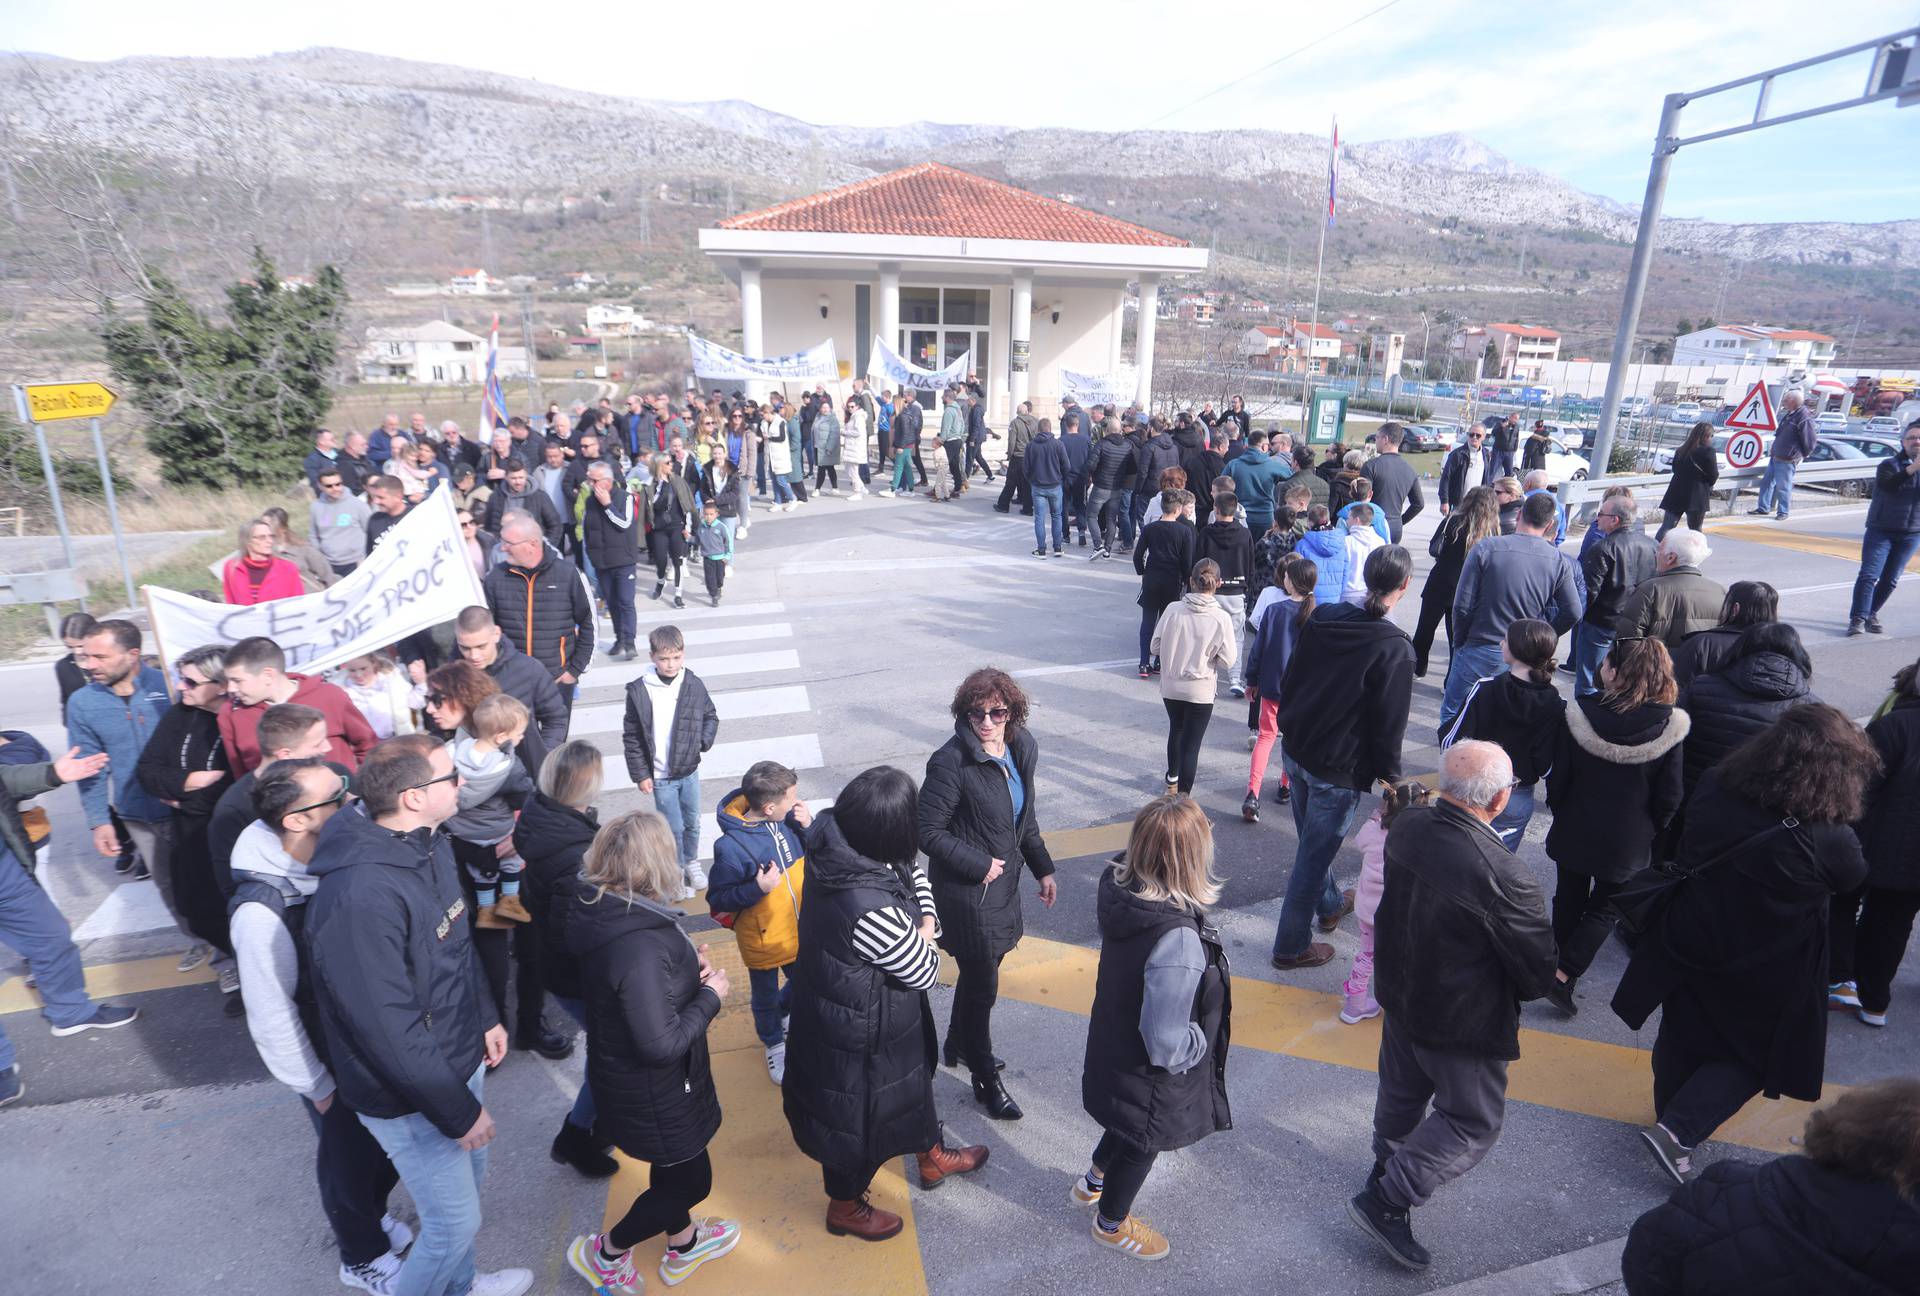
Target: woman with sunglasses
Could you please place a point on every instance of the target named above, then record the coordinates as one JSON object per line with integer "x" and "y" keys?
{"x": 978, "y": 826}
{"x": 185, "y": 765}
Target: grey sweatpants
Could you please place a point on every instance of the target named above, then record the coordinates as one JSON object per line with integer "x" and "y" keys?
{"x": 1424, "y": 1149}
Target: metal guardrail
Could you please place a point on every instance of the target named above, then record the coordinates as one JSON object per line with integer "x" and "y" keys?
{"x": 1582, "y": 498}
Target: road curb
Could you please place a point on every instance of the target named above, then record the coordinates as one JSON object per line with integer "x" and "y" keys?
{"x": 1567, "y": 1274}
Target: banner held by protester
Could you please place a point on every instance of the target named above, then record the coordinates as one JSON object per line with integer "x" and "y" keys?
{"x": 887, "y": 365}
{"x": 817, "y": 363}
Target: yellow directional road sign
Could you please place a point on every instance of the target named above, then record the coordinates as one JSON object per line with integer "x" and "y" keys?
{"x": 48, "y": 402}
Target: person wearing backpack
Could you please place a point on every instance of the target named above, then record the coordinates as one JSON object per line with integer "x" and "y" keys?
{"x": 267, "y": 914}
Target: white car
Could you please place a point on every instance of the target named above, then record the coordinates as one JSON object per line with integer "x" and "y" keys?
{"x": 1563, "y": 465}
{"x": 1831, "y": 421}
{"x": 1882, "y": 425}
{"x": 1663, "y": 457}
{"x": 1687, "y": 412}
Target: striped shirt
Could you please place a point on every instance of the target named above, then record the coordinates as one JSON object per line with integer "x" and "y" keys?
{"x": 889, "y": 939}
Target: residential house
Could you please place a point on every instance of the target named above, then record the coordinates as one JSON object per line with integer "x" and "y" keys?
{"x": 435, "y": 352}
{"x": 1315, "y": 347}
{"x": 1268, "y": 346}
{"x": 1761, "y": 344}
{"x": 607, "y": 320}
{"x": 1520, "y": 351}
{"x": 472, "y": 282}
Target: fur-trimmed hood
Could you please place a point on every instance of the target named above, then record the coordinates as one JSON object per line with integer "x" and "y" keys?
{"x": 1637, "y": 737}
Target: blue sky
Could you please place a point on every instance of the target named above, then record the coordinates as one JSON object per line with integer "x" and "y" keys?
{"x": 1573, "y": 90}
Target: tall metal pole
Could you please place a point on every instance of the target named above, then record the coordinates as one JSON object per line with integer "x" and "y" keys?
{"x": 53, "y": 494}
{"x": 113, "y": 517}
{"x": 1664, "y": 146}
{"x": 1313, "y": 334}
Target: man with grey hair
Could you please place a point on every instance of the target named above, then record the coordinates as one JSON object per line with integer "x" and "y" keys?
{"x": 1796, "y": 438}
{"x": 1460, "y": 939}
{"x": 540, "y": 602}
{"x": 1540, "y": 482}
{"x": 1613, "y": 567}
{"x": 1677, "y": 600}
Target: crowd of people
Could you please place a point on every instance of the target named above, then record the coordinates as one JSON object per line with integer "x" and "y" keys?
{"x": 395, "y": 871}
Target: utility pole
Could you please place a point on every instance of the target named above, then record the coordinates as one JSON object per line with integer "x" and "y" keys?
{"x": 1523, "y": 253}
{"x": 533, "y": 355}
{"x": 1893, "y": 73}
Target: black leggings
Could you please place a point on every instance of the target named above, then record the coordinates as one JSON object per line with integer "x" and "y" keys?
{"x": 667, "y": 544}
{"x": 847, "y": 1185}
{"x": 826, "y": 473}
{"x": 1124, "y": 1168}
{"x": 1186, "y": 727}
{"x": 1583, "y": 916}
{"x": 970, "y": 1028}
{"x": 665, "y": 1207}
{"x": 956, "y": 459}
{"x": 976, "y": 460}
{"x": 1871, "y": 927}
{"x": 1432, "y": 612}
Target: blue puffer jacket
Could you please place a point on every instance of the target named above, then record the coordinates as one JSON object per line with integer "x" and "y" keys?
{"x": 1273, "y": 642}
{"x": 1328, "y": 552}
{"x": 100, "y": 720}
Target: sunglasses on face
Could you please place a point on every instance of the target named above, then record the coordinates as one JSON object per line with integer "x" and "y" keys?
{"x": 338, "y": 798}
{"x": 436, "y": 699}
{"x": 997, "y": 714}
{"x": 189, "y": 682}
{"x": 451, "y": 776}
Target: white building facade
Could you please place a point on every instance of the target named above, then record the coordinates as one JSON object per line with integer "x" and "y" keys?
{"x": 435, "y": 352}
{"x": 941, "y": 263}
{"x": 1749, "y": 344}
{"x": 607, "y": 320}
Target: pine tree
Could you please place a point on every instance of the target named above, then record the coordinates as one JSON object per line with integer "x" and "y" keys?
{"x": 233, "y": 403}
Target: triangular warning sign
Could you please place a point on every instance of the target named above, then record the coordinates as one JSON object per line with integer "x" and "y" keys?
{"x": 1755, "y": 412}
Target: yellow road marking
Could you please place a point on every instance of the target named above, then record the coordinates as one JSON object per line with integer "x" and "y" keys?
{"x": 1561, "y": 1072}
{"x": 762, "y": 1180}
{"x": 1071, "y": 843}
{"x": 106, "y": 980}
{"x": 1800, "y": 541}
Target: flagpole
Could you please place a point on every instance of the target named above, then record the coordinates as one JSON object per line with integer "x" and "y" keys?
{"x": 1319, "y": 265}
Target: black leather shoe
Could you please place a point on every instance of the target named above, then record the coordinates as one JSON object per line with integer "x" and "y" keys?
{"x": 950, "y": 1056}
{"x": 577, "y": 1147}
{"x": 992, "y": 1094}
{"x": 548, "y": 1044}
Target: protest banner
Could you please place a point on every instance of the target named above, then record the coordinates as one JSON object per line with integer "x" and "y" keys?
{"x": 887, "y": 365}
{"x": 417, "y": 576}
{"x": 711, "y": 360}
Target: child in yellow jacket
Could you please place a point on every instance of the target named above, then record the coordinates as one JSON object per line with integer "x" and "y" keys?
{"x": 759, "y": 865}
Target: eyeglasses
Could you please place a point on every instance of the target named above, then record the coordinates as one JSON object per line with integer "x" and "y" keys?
{"x": 189, "y": 682}
{"x": 998, "y": 715}
{"x": 436, "y": 699}
{"x": 338, "y": 798}
{"x": 451, "y": 776}
{"x": 466, "y": 526}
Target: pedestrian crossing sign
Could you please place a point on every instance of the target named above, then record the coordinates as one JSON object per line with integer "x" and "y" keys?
{"x": 1755, "y": 412}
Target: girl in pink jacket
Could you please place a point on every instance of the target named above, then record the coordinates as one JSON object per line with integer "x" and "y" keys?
{"x": 1372, "y": 841}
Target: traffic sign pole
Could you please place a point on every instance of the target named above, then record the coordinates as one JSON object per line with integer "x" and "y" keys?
{"x": 113, "y": 516}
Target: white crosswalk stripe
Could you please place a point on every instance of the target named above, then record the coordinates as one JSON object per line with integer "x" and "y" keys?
{"x": 623, "y": 673}
{"x": 648, "y": 612}
{"x": 727, "y": 760}
{"x": 743, "y": 705}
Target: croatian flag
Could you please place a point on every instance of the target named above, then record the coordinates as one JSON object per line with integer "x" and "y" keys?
{"x": 493, "y": 401}
{"x": 1333, "y": 171}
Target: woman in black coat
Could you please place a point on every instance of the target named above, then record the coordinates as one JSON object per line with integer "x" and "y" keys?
{"x": 858, "y": 1090}
{"x": 185, "y": 764}
{"x": 1737, "y": 959}
{"x": 555, "y": 827}
{"x": 1872, "y": 922}
{"x": 1748, "y": 603}
{"x": 978, "y": 825}
{"x": 1614, "y": 784}
{"x": 1477, "y": 518}
{"x": 1695, "y": 469}
{"x": 651, "y": 995}
{"x": 1768, "y": 673}
{"x": 1841, "y": 1218}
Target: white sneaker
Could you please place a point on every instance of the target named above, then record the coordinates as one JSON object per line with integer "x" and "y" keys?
{"x": 743, "y": 531}
{"x": 502, "y": 1282}
{"x": 686, "y": 892}
{"x": 399, "y": 1236}
{"x": 885, "y": 494}
{"x": 696, "y": 876}
{"x": 375, "y": 1276}
{"x": 777, "y": 1062}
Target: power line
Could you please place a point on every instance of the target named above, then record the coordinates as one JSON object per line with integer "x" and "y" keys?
{"x": 1319, "y": 40}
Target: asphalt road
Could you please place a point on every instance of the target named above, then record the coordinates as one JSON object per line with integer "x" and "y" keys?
{"x": 840, "y": 639}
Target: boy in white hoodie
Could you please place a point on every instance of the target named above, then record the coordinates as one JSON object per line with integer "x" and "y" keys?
{"x": 1362, "y": 539}
{"x": 493, "y": 784}
{"x": 294, "y": 799}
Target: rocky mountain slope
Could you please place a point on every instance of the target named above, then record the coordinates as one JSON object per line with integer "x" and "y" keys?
{"x": 404, "y": 128}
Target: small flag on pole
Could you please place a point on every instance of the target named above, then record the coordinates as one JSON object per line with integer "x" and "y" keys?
{"x": 1333, "y": 172}
{"x": 493, "y": 401}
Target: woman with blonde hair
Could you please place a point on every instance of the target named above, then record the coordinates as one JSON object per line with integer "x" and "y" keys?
{"x": 650, "y": 997}
{"x": 1155, "y": 1076}
{"x": 257, "y": 574}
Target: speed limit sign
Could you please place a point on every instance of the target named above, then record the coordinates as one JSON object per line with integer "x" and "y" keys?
{"x": 1744, "y": 449}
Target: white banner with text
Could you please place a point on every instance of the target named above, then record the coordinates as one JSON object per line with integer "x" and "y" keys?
{"x": 711, "y": 360}
{"x": 887, "y": 365}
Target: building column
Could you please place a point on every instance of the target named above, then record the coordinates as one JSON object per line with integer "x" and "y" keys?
{"x": 889, "y": 318}
{"x": 1116, "y": 354}
{"x": 1143, "y": 339}
{"x": 750, "y": 336}
{"x": 1020, "y": 341}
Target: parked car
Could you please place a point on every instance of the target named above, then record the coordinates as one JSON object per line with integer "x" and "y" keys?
{"x": 1663, "y": 457}
{"x": 1872, "y": 446}
{"x": 1635, "y": 405}
{"x": 1835, "y": 448}
{"x": 1687, "y": 412}
{"x": 1425, "y": 436}
{"x": 1452, "y": 391}
{"x": 1831, "y": 421}
{"x": 1883, "y": 425}
{"x": 1574, "y": 438}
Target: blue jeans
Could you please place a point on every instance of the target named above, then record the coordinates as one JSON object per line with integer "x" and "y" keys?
{"x": 1471, "y": 663}
{"x": 771, "y": 1002}
{"x": 1883, "y": 556}
{"x": 679, "y": 800}
{"x": 444, "y": 1180}
{"x": 1510, "y": 825}
{"x": 617, "y": 589}
{"x": 583, "y": 1113}
{"x": 1591, "y": 644}
{"x": 1322, "y": 816}
{"x": 782, "y": 491}
{"x": 31, "y": 926}
{"x": 1049, "y": 502}
{"x": 1776, "y": 488}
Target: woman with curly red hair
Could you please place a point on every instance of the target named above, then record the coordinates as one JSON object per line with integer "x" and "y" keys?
{"x": 978, "y": 825}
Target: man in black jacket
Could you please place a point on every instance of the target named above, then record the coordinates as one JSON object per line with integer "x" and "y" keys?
{"x": 1343, "y": 709}
{"x": 1396, "y": 486}
{"x": 518, "y": 492}
{"x": 1461, "y": 938}
{"x": 1612, "y": 569}
{"x": 610, "y": 529}
{"x": 540, "y": 603}
{"x": 1469, "y": 464}
{"x": 519, "y": 676}
{"x": 408, "y": 1017}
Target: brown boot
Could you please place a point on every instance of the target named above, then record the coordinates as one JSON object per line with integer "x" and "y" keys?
{"x": 511, "y": 909}
{"x": 861, "y": 1219}
{"x": 488, "y": 920}
{"x": 939, "y": 1161}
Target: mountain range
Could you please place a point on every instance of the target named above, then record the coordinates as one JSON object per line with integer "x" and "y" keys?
{"x": 399, "y": 128}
